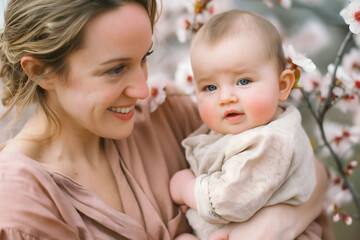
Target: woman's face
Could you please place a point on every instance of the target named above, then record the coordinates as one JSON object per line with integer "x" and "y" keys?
{"x": 107, "y": 75}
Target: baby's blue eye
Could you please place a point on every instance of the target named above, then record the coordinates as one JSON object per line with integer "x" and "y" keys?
{"x": 210, "y": 88}
{"x": 244, "y": 82}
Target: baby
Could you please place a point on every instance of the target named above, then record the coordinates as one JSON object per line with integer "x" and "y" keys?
{"x": 252, "y": 151}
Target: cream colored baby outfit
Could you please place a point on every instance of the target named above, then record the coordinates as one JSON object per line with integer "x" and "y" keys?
{"x": 236, "y": 175}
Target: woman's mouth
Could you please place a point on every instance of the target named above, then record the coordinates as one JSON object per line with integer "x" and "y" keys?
{"x": 123, "y": 113}
{"x": 121, "y": 109}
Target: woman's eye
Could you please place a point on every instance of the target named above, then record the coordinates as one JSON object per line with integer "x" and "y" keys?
{"x": 244, "y": 82}
{"x": 210, "y": 88}
{"x": 116, "y": 70}
{"x": 146, "y": 55}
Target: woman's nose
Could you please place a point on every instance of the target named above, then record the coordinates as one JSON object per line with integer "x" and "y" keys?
{"x": 139, "y": 88}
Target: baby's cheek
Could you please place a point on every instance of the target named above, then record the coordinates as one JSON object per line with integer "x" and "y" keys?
{"x": 207, "y": 113}
{"x": 263, "y": 109}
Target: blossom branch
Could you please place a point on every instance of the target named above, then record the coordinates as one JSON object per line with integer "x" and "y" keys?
{"x": 328, "y": 100}
{"x": 320, "y": 120}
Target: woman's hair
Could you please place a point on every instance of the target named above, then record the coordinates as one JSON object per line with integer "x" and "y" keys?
{"x": 48, "y": 30}
{"x": 235, "y": 23}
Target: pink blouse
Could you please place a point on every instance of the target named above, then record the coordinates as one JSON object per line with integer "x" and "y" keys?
{"x": 36, "y": 203}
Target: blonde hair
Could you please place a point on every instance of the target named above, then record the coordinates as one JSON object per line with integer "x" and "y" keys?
{"x": 233, "y": 23}
{"x": 48, "y": 30}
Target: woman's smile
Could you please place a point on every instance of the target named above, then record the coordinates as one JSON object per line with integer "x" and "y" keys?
{"x": 123, "y": 113}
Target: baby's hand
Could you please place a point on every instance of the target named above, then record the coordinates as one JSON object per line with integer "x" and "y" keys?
{"x": 182, "y": 188}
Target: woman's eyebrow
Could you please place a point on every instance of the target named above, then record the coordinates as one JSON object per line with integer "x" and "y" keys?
{"x": 122, "y": 59}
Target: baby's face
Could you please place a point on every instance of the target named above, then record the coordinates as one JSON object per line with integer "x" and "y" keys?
{"x": 237, "y": 86}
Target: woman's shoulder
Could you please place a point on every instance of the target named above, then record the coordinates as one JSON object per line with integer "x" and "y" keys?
{"x": 19, "y": 171}
{"x": 29, "y": 200}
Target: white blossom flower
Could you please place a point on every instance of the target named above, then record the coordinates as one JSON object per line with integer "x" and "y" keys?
{"x": 325, "y": 84}
{"x": 351, "y": 63}
{"x": 347, "y": 219}
{"x": 335, "y": 194}
{"x": 184, "y": 77}
{"x": 311, "y": 81}
{"x": 171, "y": 12}
{"x": 157, "y": 95}
{"x": 348, "y": 104}
{"x": 182, "y": 31}
{"x": 336, "y": 217}
{"x": 342, "y": 138}
{"x": 351, "y": 15}
{"x": 298, "y": 59}
{"x": 342, "y": 77}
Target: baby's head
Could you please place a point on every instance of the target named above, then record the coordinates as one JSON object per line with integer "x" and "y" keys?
{"x": 239, "y": 69}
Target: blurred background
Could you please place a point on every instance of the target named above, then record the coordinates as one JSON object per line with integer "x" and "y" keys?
{"x": 313, "y": 27}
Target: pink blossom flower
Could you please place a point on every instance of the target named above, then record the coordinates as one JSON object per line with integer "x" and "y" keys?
{"x": 299, "y": 60}
{"x": 351, "y": 15}
{"x": 157, "y": 95}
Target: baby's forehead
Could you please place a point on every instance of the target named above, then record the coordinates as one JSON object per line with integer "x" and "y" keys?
{"x": 248, "y": 40}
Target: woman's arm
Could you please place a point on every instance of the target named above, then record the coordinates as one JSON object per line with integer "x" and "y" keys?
{"x": 182, "y": 188}
{"x": 280, "y": 221}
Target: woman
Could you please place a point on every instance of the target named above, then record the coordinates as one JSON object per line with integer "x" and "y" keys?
{"x": 83, "y": 64}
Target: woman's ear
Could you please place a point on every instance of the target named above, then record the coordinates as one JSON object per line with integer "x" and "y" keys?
{"x": 35, "y": 71}
{"x": 286, "y": 82}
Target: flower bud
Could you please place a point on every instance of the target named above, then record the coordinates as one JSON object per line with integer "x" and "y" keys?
{"x": 336, "y": 217}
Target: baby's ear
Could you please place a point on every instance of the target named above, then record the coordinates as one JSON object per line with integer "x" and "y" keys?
{"x": 35, "y": 71}
{"x": 286, "y": 82}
